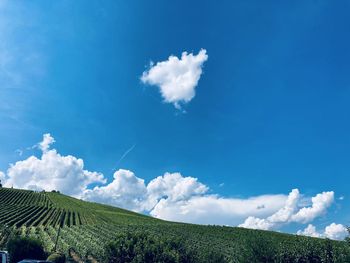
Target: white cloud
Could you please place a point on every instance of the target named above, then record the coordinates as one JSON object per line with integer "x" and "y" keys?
{"x": 177, "y": 78}
{"x": 336, "y": 231}
{"x": 175, "y": 187}
{"x": 126, "y": 191}
{"x": 51, "y": 172}
{"x": 257, "y": 223}
{"x": 212, "y": 209}
{"x": 320, "y": 203}
{"x": 310, "y": 231}
{"x": 285, "y": 213}
{"x": 291, "y": 211}
{"x": 333, "y": 231}
{"x": 44, "y": 145}
{"x": 196, "y": 206}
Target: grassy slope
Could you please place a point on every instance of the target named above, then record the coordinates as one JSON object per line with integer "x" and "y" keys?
{"x": 87, "y": 227}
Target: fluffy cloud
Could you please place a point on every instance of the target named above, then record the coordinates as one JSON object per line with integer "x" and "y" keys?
{"x": 51, "y": 172}
{"x": 320, "y": 203}
{"x": 257, "y": 223}
{"x": 175, "y": 187}
{"x": 176, "y": 78}
{"x": 291, "y": 211}
{"x": 285, "y": 213}
{"x": 336, "y": 231}
{"x": 310, "y": 231}
{"x": 333, "y": 231}
{"x": 126, "y": 190}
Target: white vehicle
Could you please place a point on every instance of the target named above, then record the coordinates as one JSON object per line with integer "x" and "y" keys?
{"x": 4, "y": 257}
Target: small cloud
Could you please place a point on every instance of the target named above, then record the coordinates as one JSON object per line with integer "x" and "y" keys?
{"x": 176, "y": 78}
{"x": 341, "y": 198}
{"x": 309, "y": 231}
{"x": 44, "y": 145}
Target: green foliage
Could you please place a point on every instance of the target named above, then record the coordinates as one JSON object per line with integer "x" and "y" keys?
{"x": 25, "y": 248}
{"x": 88, "y": 227}
{"x": 265, "y": 246}
{"x": 142, "y": 247}
{"x": 5, "y": 234}
{"x": 57, "y": 258}
{"x": 348, "y": 238}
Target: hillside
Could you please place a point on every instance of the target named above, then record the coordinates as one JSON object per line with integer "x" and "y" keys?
{"x": 87, "y": 227}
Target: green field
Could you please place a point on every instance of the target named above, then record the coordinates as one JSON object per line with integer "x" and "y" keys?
{"x": 87, "y": 228}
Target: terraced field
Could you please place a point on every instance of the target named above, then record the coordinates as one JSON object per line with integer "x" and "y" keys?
{"x": 32, "y": 209}
{"x": 87, "y": 228}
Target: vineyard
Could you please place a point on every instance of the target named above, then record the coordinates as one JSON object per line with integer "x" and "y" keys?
{"x": 87, "y": 227}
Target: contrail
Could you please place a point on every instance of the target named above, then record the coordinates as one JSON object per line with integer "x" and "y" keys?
{"x": 125, "y": 154}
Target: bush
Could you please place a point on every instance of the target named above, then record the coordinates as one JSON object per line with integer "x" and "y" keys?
{"x": 25, "y": 248}
{"x": 145, "y": 248}
{"x": 57, "y": 258}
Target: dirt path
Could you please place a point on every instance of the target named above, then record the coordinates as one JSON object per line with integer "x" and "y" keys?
{"x": 75, "y": 257}
{"x": 92, "y": 260}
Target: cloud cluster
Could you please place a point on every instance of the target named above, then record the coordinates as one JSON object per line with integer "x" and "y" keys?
{"x": 291, "y": 211}
{"x": 178, "y": 198}
{"x": 51, "y": 171}
{"x": 333, "y": 231}
{"x": 128, "y": 191}
{"x": 171, "y": 196}
{"x": 176, "y": 78}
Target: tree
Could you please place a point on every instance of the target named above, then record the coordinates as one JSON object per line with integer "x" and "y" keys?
{"x": 21, "y": 248}
{"x": 348, "y": 238}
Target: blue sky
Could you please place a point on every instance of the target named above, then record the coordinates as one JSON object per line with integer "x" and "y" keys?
{"x": 270, "y": 112}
